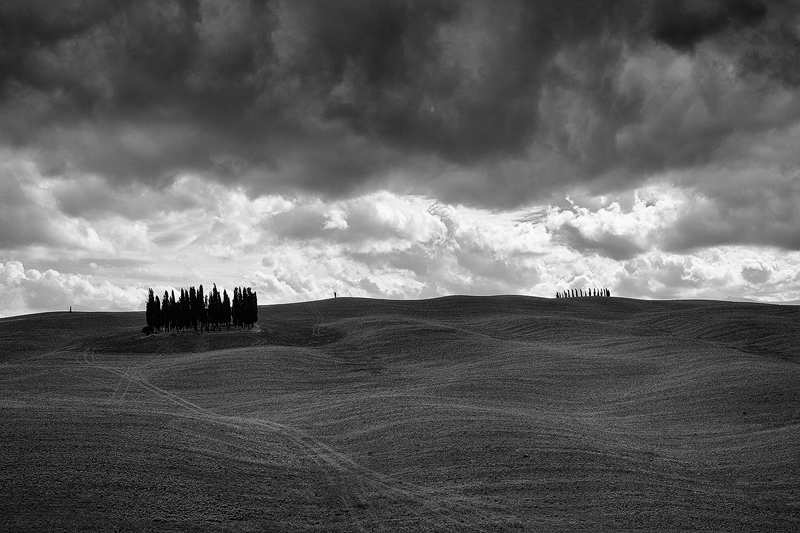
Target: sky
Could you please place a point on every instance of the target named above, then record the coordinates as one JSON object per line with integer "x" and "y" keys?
{"x": 398, "y": 149}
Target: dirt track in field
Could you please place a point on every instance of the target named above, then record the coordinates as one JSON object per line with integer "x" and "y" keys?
{"x": 452, "y": 414}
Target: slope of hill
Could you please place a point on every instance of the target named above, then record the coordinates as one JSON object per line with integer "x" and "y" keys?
{"x": 453, "y": 414}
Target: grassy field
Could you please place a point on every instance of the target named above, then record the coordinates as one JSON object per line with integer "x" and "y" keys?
{"x": 453, "y": 414}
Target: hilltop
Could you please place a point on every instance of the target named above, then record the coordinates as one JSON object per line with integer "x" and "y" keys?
{"x": 504, "y": 413}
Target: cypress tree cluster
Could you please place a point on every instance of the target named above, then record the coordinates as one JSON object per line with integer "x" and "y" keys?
{"x": 584, "y": 293}
{"x": 244, "y": 310}
{"x": 195, "y": 310}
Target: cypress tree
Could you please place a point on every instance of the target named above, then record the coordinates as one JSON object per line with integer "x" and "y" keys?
{"x": 245, "y": 309}
{"x": 173, "y": 311}
{"x": 149, "y": 311}
{"x": 193, "y": 308}
{"x": 207, "y": 320}
{"x": 243, "y": 305}
{"x": 235, "y": 307}
{"x": 212, "y": 307}
{"x": 182, "y": 310}
{"x": 165, "y": 311}
{"x": 254, "y": 307}
{"x": 211, "y": 310}
{"x": 157, "y": 313}
{"x": 226, "y": 310}
{"x": 201, "y": 309}
{"x": 217, "y": 307}
{"x": 242, "y": 310}
{"x": 186, "y": 311}
{"x": 239, "y": 311}
{"x": 249, "y": 307}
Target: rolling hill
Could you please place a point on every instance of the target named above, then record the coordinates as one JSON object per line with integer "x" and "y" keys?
{"x": 503, "y": 413}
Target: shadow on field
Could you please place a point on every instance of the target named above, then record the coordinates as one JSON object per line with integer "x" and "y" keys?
{"x": 277, "y": 333}
{"x": 293, "y": 334}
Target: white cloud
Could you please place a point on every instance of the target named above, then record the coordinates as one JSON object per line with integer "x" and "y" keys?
{"x": 30, "y": 291}
{"x": 387, "y": 245}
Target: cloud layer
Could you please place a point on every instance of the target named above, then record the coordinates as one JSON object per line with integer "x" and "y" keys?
{"x": 401, "y": 148}
{"x": 379, "y": 244}
{"x": 449, "y": 98}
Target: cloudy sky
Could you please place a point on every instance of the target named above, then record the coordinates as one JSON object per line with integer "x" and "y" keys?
{"x": 398, "y": 149}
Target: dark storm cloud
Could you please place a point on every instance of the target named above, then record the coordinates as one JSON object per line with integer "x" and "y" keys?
{"x": 773, "y": 48}
{"x": 333, "y": 97}
{"x": 766, "y": 222}
{"x": 684, "y": 23}
{"x": 606, "y": 244}
{"x": 756, "y": 207}
{"x": 21, "y": 223}
{"x": 94, "y": 199}
{"x": 302, "y": 223}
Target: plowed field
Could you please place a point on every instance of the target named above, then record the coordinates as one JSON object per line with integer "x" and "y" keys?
{"x": 452, "y": 414}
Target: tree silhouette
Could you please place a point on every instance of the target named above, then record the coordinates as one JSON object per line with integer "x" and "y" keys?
{"x": 194, "y": 309}
{"x": 252, "y": 307}
{"x": 173, "y": 312}
{"x": 226, "y": 310}
{"x": 238, "y": 312}
{"x": 157, "y": 313}
{"x": 235, "y": 307}
{"x": 150, "y": 311}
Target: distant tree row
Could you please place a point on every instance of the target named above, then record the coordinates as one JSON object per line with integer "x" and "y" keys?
{"x": 582, "y": 293}
{"x": 195, "y": 310}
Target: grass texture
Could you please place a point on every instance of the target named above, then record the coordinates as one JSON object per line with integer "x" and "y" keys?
{"x": 453, "y": 414}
